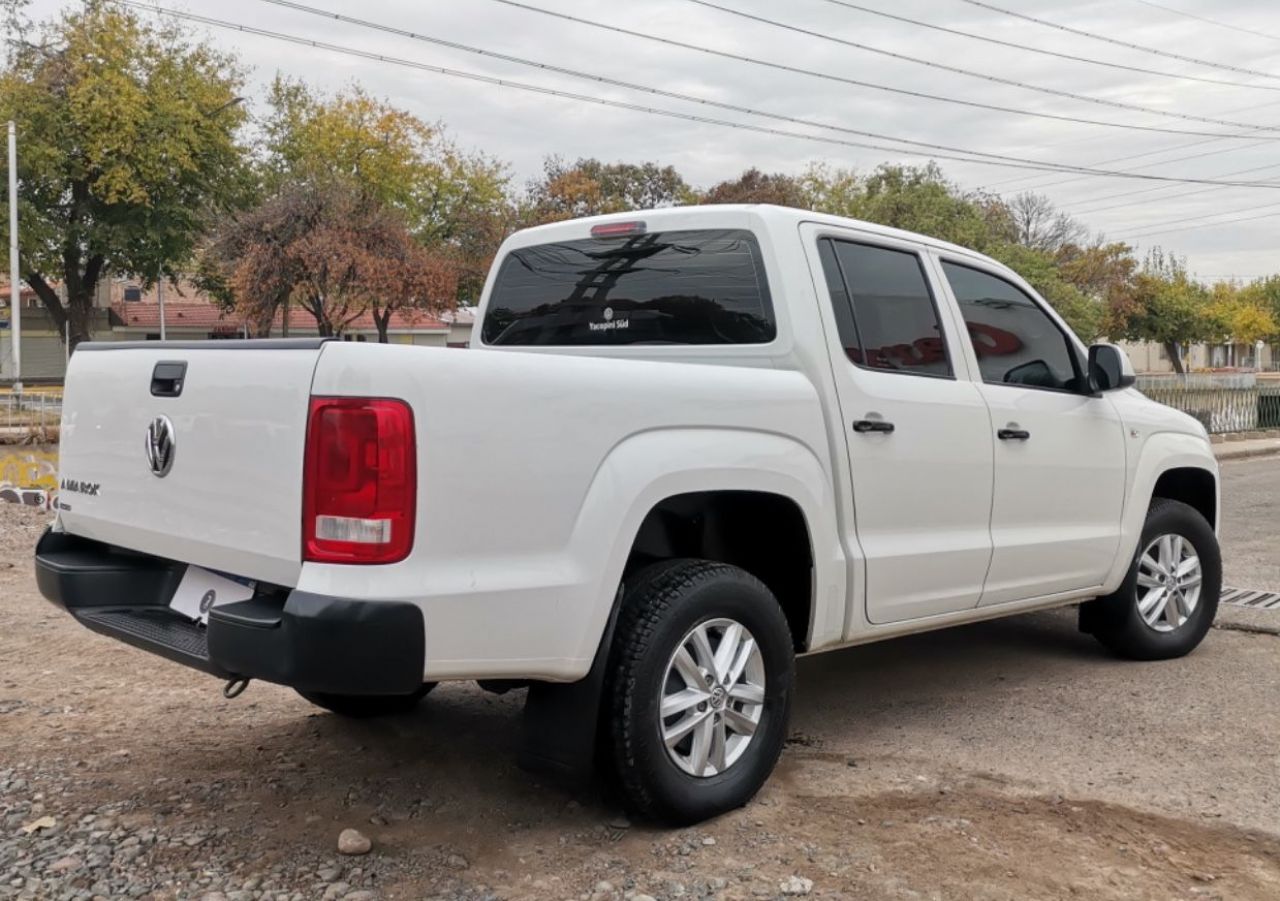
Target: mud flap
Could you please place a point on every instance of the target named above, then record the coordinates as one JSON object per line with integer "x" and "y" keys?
{"x": 561, "y": 722}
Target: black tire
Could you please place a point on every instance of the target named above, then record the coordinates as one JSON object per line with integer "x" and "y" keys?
{"x": 661, "y": 606}
{"x": 1115, "y": 619}
{"x": 367, "y": 706}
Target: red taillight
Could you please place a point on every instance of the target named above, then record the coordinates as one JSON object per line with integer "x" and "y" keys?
{"x": 360, "y": 481}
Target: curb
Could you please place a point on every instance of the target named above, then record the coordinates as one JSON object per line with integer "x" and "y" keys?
{"x": 1227, "y": 452}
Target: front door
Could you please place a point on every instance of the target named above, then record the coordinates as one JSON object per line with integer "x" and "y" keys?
{"x": 919, "y": 439}
{"x": 1060, "y": 455}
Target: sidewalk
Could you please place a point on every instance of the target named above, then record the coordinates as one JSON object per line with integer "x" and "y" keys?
{"x": 1240, "y": 450}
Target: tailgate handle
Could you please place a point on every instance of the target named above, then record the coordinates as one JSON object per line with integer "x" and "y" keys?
{"x": 167, "y": 378}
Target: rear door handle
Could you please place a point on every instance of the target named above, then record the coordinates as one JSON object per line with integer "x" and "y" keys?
{"x": 862, "y": 426}
{"x": 1013, "y": 434}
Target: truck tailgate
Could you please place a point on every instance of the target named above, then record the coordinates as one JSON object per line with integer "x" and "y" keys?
{"x": 205, "y": 471}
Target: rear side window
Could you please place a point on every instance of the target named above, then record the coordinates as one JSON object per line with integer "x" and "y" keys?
{"x": 883, "y": 308}
{"x": 1015, "y": 340}
{"x": 679, "y": 287}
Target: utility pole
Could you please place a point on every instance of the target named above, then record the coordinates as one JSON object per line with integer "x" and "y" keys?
{"x": 160, "y": 297}
{"x": 15, "y": 290}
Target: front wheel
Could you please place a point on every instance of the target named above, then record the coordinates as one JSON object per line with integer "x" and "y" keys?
{"x": 367, "y": 706}
{"x": 1167, "y": 602}
{"x": 699, "y": 690}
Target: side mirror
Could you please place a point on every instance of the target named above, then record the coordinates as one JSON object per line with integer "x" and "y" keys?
{"x": 1110, "y": 368}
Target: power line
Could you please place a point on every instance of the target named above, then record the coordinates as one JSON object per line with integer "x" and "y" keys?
{"x": 1068, "y": 56}
{"x": 1177, "y": 196}
{"x": 828, "y": 76}
{"x": 1170, "y": 231}
{"x": 603, "y": 101}
{"x": 1134, "y": 156}
{"x": 997, "y": 79}
{"x": 1199, "y": 221}
{"x": 1219, "y": 23}
{"x": 1119, "y": 43}
{"x": 1176, "y": 159}
{"x": 618, "y": 104}
{"x": 657, "y": 92}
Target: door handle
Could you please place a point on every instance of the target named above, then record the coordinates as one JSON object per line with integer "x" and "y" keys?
{"x": 863, "y": 426}
{"x": 167, "y": 378}
{"x": 1013, "y": 434}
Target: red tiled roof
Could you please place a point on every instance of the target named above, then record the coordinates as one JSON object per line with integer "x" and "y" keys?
{"x": 176, "y": 315}
{"x": 210, "y": 317}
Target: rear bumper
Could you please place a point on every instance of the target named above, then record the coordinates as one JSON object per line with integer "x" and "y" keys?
{"x": 307, "y": 641}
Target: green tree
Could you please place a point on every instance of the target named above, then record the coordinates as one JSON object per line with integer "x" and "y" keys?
{"x": 1085, "y": 314}
{"x": 1164, "y": 305}
{"x": 127, "y": 149}
{"x": 920, "y": 199}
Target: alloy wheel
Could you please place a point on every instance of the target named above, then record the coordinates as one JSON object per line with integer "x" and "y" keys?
{"x": 712, "y": 697}
{"x": 1169, "y": 582}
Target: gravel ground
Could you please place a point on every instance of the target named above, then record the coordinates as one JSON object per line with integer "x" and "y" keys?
{"x": 1007, "y": 760}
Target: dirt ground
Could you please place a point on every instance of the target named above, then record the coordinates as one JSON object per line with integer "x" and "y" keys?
{"x": 1009, "y": 760}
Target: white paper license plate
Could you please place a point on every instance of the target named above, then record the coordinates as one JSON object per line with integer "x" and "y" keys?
{"x": 200, "y": 591}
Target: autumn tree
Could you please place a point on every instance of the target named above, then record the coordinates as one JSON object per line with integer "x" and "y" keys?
{"x": 333, "y": 252}
{"x": 455, "y": 203}
{"x": 128, "y": 149}
{"x": 754, "y": 186}
{"x": 1239, "y": 315}
{"x": 1265, "y": 293}
{"x": 590, "y": 187}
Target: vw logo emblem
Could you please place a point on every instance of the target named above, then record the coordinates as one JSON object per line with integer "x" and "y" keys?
{"x": 161, "y": 446}
{"x": 608, "y": 314}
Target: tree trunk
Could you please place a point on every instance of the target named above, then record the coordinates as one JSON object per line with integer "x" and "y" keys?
{"x": 74, "y": 319}
{"x": 1175, "y": 356}
{"x": 382, "y": 321}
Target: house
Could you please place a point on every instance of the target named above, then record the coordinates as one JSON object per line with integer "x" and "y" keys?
{"x": 125, "y": 311}
{"x": 200, "y": 321}
{"x": 1148, "y": 356}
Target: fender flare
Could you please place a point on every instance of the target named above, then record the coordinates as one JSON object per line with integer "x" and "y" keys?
{"x": 561, "y": 721}
{"x": 650, "y": 467}
{"x": 1161, "y": 452}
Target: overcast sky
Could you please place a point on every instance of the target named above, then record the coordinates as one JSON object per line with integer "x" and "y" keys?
{"x": 523, "y": 128}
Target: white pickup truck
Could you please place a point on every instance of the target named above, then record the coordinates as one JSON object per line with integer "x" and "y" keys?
{"x": 686, "y": 446}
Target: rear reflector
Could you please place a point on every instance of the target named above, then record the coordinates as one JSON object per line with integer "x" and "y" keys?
{"x": 360, "y": 481}
{"x": 617, "y": 229}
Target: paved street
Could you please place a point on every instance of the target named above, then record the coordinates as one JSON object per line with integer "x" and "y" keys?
{"x": 1006, "y": 760}
{"x": 1251, "y": 523}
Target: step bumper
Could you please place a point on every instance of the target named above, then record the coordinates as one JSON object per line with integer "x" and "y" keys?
{"x": 307, "y": 641}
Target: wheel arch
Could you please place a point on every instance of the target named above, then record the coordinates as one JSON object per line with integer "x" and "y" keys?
{"x": 1192, "y": 485}
{"x": 761, "y": 532}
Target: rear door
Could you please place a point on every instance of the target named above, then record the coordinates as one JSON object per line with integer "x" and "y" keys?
{"x": 193, "y": 453}
{"x": 1060, "y": 455}
{"x": 918, "y": 433}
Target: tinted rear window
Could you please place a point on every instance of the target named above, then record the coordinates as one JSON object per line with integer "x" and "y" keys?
{"x": 678, "y": 287}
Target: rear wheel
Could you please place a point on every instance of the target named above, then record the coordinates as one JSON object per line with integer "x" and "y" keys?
{"x": 1167, "y": 602}
{"x": 699, "y": 690}
{"x": 365, "y": 706}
